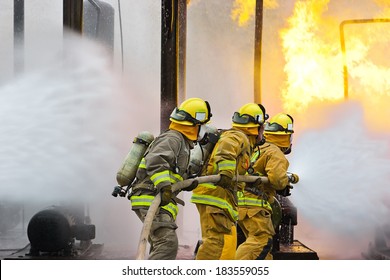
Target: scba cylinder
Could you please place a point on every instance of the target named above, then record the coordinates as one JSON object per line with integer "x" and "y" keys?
{"x": 202, "y": 150}
{"x": 128, "y": 170}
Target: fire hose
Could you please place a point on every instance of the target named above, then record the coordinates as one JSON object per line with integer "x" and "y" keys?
{"x": 141, "y": 252}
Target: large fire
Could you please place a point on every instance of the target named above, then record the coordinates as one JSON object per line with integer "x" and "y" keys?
{"x": 355, "y": 140}
{"x": 244, "y": 10}
{"x": 314, "y": 60}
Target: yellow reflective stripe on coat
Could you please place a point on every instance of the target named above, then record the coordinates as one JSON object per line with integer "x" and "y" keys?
{"x": 248, "y": 201}
{"x": 146, "y": 201}
{"x": 215, "y": 201}
{"x": 175, "y": 177}
{"x": 227, "y": 165}
{"x": 208, "y": 185}
{"x": 171, "y": 208}
{"x": 255, "y": 156}
{"x": 141, "y": 200}
{"x": 142, "y": 164}
{"x": 160, "y": 177}
{"x": 165, "y": 176}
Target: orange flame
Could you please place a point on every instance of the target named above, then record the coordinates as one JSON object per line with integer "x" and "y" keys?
{"x": 244, "y": 10}
{"x": 314, "y": 61}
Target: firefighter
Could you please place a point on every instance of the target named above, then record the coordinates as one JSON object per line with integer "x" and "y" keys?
{"x": 217, "y": 203}
{"x": 165, "y": 162}
{"x": 255, "y": 200}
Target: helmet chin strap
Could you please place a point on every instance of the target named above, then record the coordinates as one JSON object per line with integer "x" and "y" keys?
{"x": 260, "y": 142}
{"x": 286, "y": 150}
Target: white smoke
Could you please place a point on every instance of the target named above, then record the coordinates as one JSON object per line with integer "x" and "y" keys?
{"x": 344, "y": 179}
{"x": 66, "y": 125}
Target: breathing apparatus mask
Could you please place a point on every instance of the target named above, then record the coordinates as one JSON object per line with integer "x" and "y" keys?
{"x": 207, "y": 134}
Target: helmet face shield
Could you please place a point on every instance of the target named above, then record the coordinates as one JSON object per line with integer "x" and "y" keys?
{"x": 180, "y": 115}
{"x": 275, "y": 127}
{"x": 246, "y": 119}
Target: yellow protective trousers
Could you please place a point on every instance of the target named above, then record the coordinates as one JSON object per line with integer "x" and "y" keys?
{"x": 219, "y": 234}
{"x": 256, "y": 223}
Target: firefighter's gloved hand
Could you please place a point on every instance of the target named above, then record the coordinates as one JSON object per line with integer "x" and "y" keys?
{"x": 166, "y": 195}
{"x": 191, "y": 187}
{"x": 285, "y": 191}
{"x": 293, "y": 178}
{"x": 256, "y": 183}
{"x": 225, "y": 181}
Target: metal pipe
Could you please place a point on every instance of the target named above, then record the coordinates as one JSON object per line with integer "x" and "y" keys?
{"x": 343, "y": 48}
{"x": 19, "y": 35}
{"x": 121, "y": 32}
{"x": 168, "y": 61}
{"x": 257, "y": 54}
{"x": 173, "y": 31}
{"x": 73, "y": 14}
{"x": 182, "y": 48}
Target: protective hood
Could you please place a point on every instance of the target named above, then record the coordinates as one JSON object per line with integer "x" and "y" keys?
{"x": 191, "y": 132}
{"x": 254, "y": 131}
{"x": 282, "y": 141}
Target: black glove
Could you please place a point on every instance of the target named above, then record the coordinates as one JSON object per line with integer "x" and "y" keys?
{"x": 255, "y": 184}
{"x": 285, "y": 191}
{"x": 191, "y": 187}
{"x": 166, "y": 195}
{"x": 225, "y": 181}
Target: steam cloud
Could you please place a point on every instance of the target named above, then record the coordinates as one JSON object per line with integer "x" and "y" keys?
{"x": 343, "y": 193}
{"x": 66, "y": 125}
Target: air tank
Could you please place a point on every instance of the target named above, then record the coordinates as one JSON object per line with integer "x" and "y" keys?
{"x": 128, "y": 170}
{"x": 200, "y": 153}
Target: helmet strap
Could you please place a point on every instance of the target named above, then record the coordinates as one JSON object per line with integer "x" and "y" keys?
{"x": 260, "y": 140}
{"x": 286, "y": 150}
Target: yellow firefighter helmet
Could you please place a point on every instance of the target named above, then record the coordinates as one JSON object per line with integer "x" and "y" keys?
{"x": 193, "y": 111}
{"x": 280, "y": 124}
{"x": 249, "y": 115}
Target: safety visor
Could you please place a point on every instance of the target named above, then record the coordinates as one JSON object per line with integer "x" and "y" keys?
{"x": 245, "y": 119}
{"x": 180, "y": 115}
{"x": 275, "y": 127}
